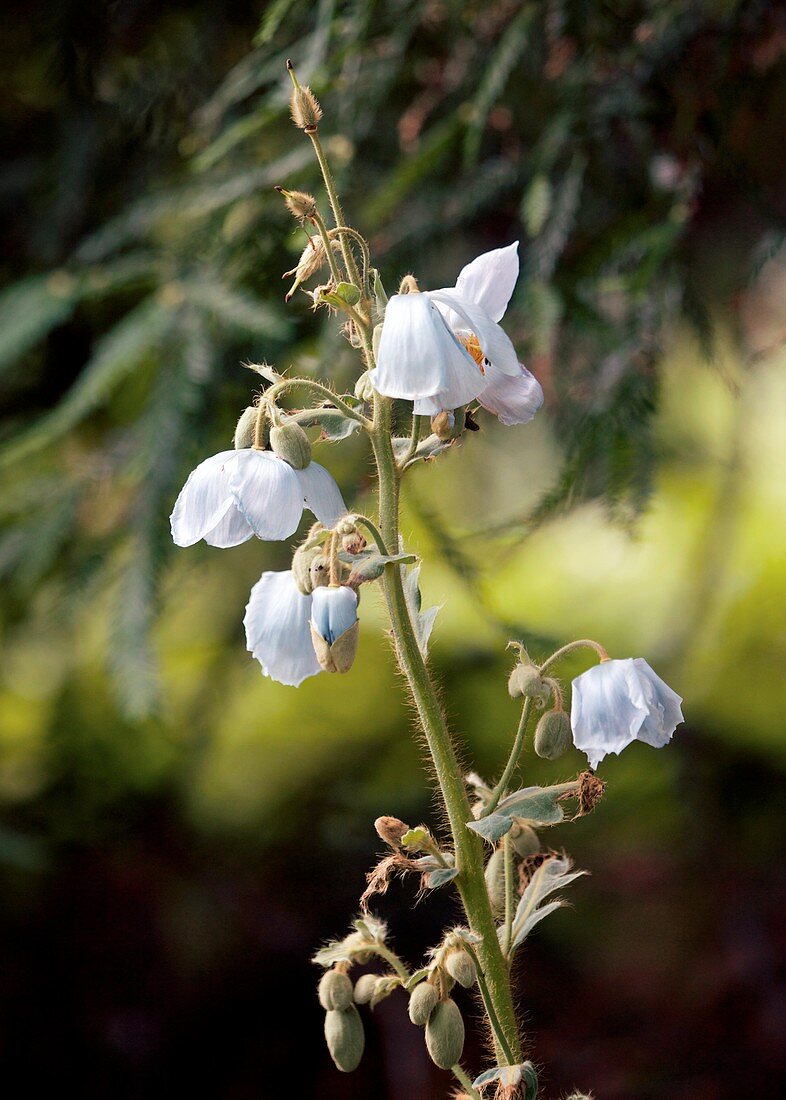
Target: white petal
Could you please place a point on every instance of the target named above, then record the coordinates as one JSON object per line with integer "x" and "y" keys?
{"x": 321, "y": 494}
{"x": 277, "y": 629}
{"x": 494, "y": 343}
{"x": 664, "y": 712}
{"x": 267, "y": 492}
{"x": 333, "y": 611}
{"x": 204, "y": 500}
{"x": 490, "y": 279}
{"x": 603, "y": 716}
{"x": 513, "y": 400}
{"x": 419, "y": 356}
{"x": 231, "y": 530}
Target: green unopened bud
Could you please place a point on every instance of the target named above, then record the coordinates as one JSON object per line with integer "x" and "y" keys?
{"x": 244, "y": 432}
{"x": 364, "y": 391}
{"x": 334, "y": 990}
{"x": 495, "y": 881}
{"x": 290, "y": 442}
{"x": 524, "y": 839}
{"x": 345, "y": 1038}
{"x": 364, "y": 988}
{"x": 445, "y": 1034}
{"x": 460, "y": 966}
{"x": 422, "y": 1003}
{"x": 302, "y": 560}
{"x": 553, "y": 736}
{"x": 417, "y": 839}
{"x": 526, "y": 680}
{"x": 391, "y": 830}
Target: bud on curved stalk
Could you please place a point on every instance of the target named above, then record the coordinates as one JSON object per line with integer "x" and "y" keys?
{"x": 364, "y": 988}
{"x": 334, "y": 627}
{"x": 422, "y": 1002}
{"x": 290, "y": 442}
{"x": 525, "y": 680}
{"x": 445, "y": 1034}
{"x": 244, "y": 432}
{"x": 553, "y": 736}
{"x": 302, "y": 560}
{"x": 319, "y": 572}
{"x": 335, "y": 990}
{"x": 461, "y": 967}
{"x": 345, "y": 1038}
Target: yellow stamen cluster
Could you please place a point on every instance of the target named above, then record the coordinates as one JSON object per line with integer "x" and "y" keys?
{"x": 472, "y": 345}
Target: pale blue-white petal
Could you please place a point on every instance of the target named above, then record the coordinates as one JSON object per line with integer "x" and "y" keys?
{"x": 204, "y": 500}
{"x": 494, "y": 343}
{"x": 231, "y": 530}
{"x": 419, "y": 356}
{"x": 321, "y": 494}
{"x": 277, "y": 629}
{"x": 333, "y": 611}
{"x": 490, "y": 279}
{"x": 664, "y": 710}
{"x": 267, "y": 492}
{"x": 512, "y": 400}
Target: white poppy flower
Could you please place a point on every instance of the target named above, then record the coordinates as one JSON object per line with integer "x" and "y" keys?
{"x": 278, "y": 629}
{"x": 236, "y": 494}
{"x": 617, "y": 702}
{"x": 444, "y": 348}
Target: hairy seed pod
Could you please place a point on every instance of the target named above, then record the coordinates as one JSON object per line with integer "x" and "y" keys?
{"x": 344, "y": 1037}
{"x": 459, "y": 965}
{"x": 244, "y": 432}
{"x": 319, "y": 571}
{"x": 445, "y": 1034}
{"x": 291, "y": 443}
{"x": 335, "y": 990}
{"x": 422, "y": 1002}
{"x": 304, "y": 108}
{"x": 526, "y": 680}
{"x": 302, "y": 560}
{"x": 495, "y": 881}
{"x": 364, "y": 988}
{"x": 524, "y": 839}
{"x": 553, "y": 736}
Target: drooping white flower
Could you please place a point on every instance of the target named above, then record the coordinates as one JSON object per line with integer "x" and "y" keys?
{"x": 236, "y": 494}
{"x": 444, "y": 348}
{"x": 278, "y": 629}
{"x": 617, "y": 702}
{"x": 295, "y": 636}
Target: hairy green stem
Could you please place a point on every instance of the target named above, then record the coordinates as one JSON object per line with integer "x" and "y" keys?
{"x": 465, "y": 1082}
{"x": 582, "y": 643}
{"x": 467, "y": 845}
{"x": 335, "y": 206}
{"x": 501, "y": 1043}
{"x": 287, "y": 384}
{"x": 319, "y": 221}
{"x": 392, "y": 958}
{"x": 509, "y": 895}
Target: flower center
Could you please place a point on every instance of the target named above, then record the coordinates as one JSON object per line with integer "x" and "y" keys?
{"x": 471, "y": 343}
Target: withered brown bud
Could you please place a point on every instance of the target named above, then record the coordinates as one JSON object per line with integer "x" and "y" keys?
{"x": 391, "y": 830}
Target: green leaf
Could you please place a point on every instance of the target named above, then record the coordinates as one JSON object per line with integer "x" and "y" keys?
{"x": 492, "y": 828}
{"x": 510, "y": 1077}
{"x": 423, "y": 620}
{"x": 535, "y": 804}
{"x": 440, "y": 877}
{"x": 335, "y": 424}
{"x": 416, "y": 978}
{"x": 370, "y": 565}
{"x": 553, "y": 874}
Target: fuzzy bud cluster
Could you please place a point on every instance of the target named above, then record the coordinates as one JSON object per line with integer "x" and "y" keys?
{"x": 525, "y": 680}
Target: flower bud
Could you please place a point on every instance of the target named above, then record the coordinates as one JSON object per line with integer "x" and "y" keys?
{"x": 304, "y": 108}
{"x": 319, "y": 572}
{"x": 364, "y": 391}
{"x": 364, "y": 988}
{"x": 442, "y": 425}
{"x": 495, "y": 881}
{"x": 344, "y": 1036}
{"x": 246, "y": 425}
{"x": 524, "y": 839}
{"x": 553, "y": 736}
{"x": 353, "y": 544}
{"x": 526, "y": 680}
{"x": 290, "y": 442}
{"x": 445, "y": 1034}
{"x": 334, "y": 990}
{"x": 391, "y": 830}
{"x": 299, "y": 203}
{"x": 302, "y": 560}
{"x": 334, "y": 627}
{"x": 422, "y": 1003}
{"x": 459, "y": 965}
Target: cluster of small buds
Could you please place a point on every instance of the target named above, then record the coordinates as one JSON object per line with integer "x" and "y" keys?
{"x": 438, "y": 1013}
{"x": 343, "y": 1027}
{"x": 526, "y": 681}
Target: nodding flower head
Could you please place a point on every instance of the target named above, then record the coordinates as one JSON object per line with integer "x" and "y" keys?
{"x": 334, "y": 627}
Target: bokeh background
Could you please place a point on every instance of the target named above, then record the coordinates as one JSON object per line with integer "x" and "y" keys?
{"x": 178, "y": 834}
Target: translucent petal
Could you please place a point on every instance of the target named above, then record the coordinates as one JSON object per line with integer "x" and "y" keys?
{"x": 321, "y": 493}
{"x": 494, "y": 343}
{"x": 664, "y": 710}
{"x": 277, "y": 629}
{"x": 267, "y": 492}
{"x": 333, "y": 611}
{"x": 512, "y": 400}
{"x": 204, "y": 500}
{"x": 231, "y": 530}
{"x": 419, "y": 356}
{"x": 489, "y": 281}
